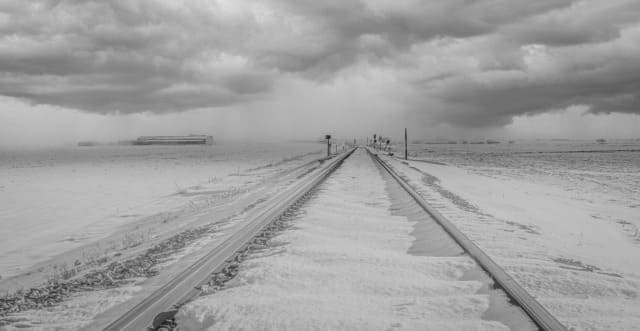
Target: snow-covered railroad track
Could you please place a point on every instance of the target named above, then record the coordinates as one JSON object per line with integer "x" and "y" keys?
{"x": 349, "y": 264}
{"x": 362, "y": 253}
{"x": 187, "y": 285}
{"x": 543, "y": 319}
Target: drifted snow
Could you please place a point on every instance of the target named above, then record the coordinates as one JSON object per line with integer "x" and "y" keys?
{"x": 585, "y": 270}
{"x": 73, "y": 314}
{"x": 344, "y": 266}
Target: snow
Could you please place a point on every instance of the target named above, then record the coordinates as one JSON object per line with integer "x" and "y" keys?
{"x": 222, "y": 186}
{"x": 75, "y": 313}
{"x": 57, "y": 200}
{"x": 562, "y": 225}
{"x": 344, "y": 266}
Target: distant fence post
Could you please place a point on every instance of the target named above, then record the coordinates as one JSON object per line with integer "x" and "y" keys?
{"x": 405, "y": 144}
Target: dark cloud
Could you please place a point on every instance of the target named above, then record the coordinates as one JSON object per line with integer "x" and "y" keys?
{"x": 580, "y": 23}
{"x": 601, "y": 76}
{"x": 342, "y": 31}
{"x": 124, "y": 56}
{"x": 482, "y": 62}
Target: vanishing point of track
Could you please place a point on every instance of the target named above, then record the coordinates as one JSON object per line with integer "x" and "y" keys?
{"x": 186, "y": 285}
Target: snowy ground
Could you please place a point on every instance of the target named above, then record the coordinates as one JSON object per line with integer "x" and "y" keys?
{"x": 62, "y": 199}
{"x": 564, "y": 225}
{"x": 345, "y": 266}
{"x": 119, "y": 202}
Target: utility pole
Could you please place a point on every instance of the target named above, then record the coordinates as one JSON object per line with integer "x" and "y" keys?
{"x": 405, "y": 144}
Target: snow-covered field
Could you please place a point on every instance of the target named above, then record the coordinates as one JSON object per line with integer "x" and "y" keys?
{"x": 103, "y": 216}
{"x": 561, "y": 217}
{"x": 56, "y": 200}
{"x": 563, "y": 221}
{"x": 345, "y": 265}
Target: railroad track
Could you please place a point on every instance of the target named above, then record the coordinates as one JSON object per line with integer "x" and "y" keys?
{"x": 163, "y": 302}
{"x": 186, "y": 285}
{"x": 538, "y": 314}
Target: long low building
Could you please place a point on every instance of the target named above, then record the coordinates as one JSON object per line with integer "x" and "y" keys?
{"x": 174, "y": 140}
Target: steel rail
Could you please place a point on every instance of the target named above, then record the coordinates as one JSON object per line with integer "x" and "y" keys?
{"x": 540, "y": 316}
{"x": 184, "y": 286}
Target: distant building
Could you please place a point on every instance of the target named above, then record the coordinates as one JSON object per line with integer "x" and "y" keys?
{"x": 87, "y": 143}
{"x": 174, "y": 140}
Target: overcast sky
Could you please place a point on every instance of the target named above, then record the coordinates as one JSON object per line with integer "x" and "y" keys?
{"x": 100, "y": 70}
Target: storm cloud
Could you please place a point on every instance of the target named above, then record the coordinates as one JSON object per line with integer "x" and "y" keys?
{"x": 466, "y": 63}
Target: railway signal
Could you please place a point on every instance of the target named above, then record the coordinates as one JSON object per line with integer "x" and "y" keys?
{"x": 328, "y": 137}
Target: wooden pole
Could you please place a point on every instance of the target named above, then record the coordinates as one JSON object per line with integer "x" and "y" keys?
{"x": 405, "y": 144}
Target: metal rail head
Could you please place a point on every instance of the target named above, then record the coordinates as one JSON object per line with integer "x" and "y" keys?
{"x": 540, "y": 316}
